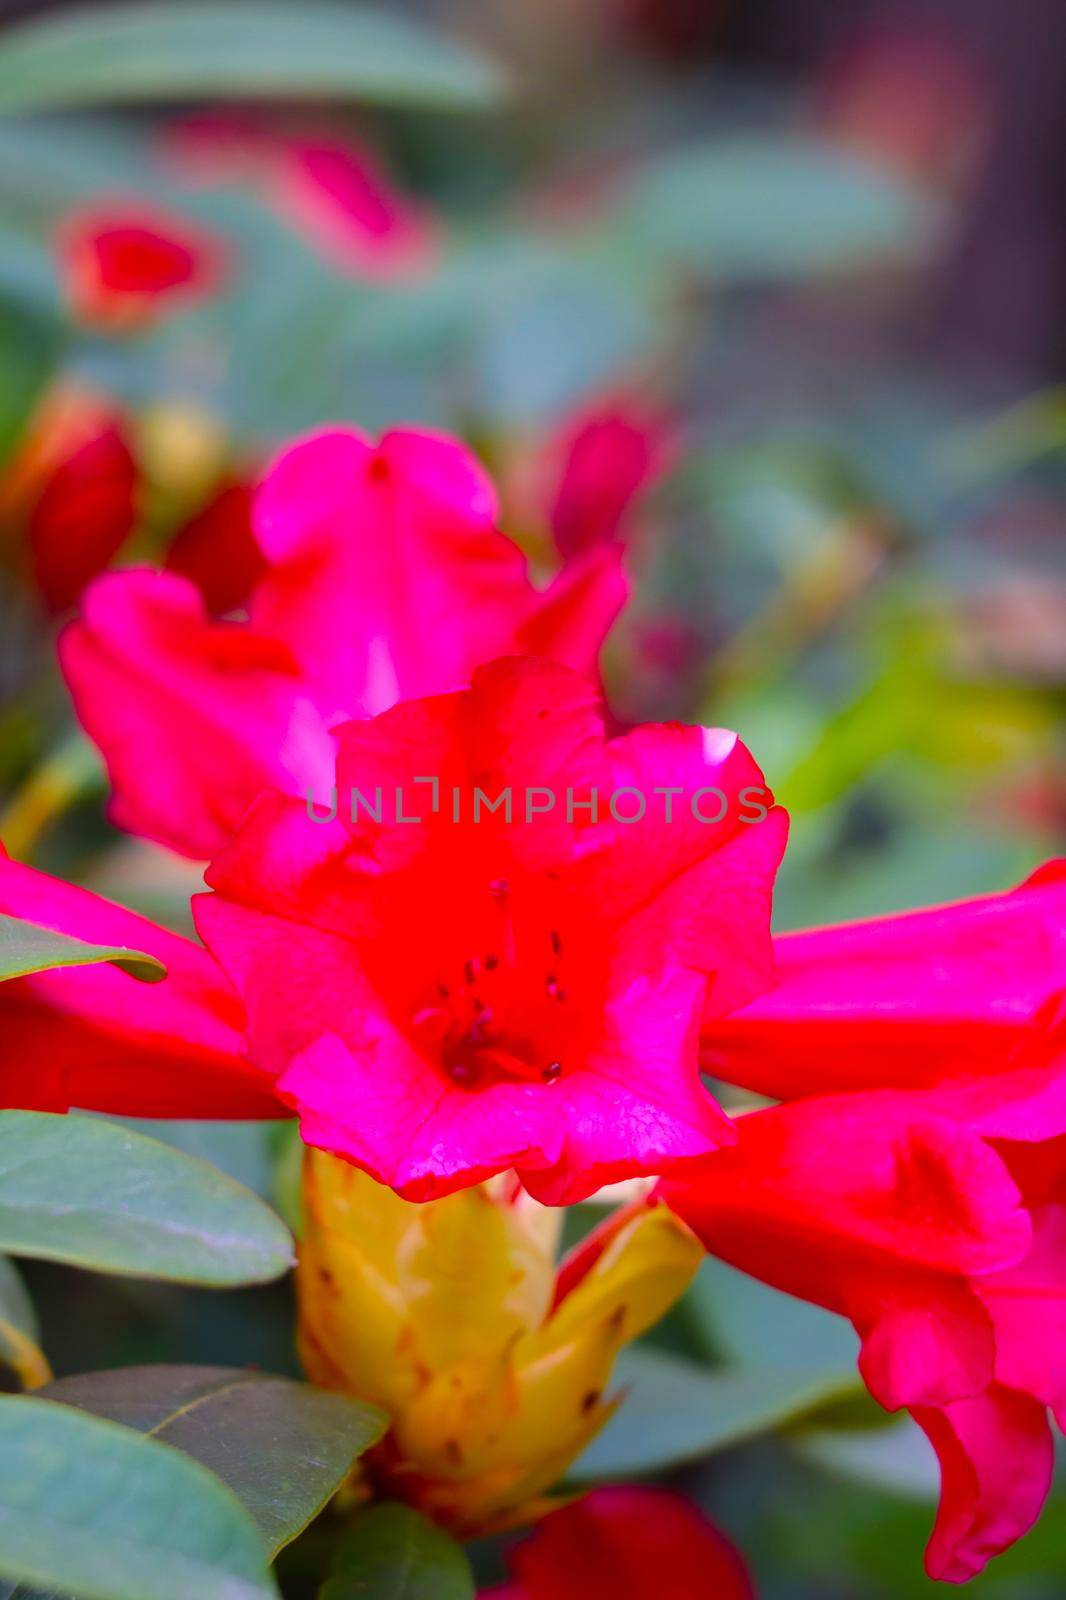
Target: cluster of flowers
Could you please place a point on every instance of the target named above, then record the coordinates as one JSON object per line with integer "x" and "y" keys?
{"x": 541, "y": 994}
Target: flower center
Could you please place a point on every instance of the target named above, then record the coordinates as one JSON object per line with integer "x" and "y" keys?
{"x": 498, "y": 1020}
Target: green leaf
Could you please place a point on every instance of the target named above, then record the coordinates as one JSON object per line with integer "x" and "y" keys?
{"x": 20, "y": 1337}
{"x": 751, "y": 1325}
{"x": 240, "y": 50}
{"x": 676, "y": 1411}
{"x": 283, "y": 1447}
{"x": 392, "y": 1553}
{"x": 92, "y": 1508}
{"x": 24, "y": 948}
{"x": 896, "y": 1457}
{"x": 81, "y": 1190}
{"x": 769, "y": 208}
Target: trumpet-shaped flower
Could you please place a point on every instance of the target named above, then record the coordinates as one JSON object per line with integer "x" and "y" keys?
{"x": 879, "y": 1209}
{"x": 386, "y": 577}
{"x": 494, "y": 1367}
{"x": 947, "y": 1026}
{"x": 467, "y": 970}
{"x": 952, "y": 995}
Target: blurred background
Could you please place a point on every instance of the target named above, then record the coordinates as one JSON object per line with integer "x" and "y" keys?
{"x": 774, "y": 290}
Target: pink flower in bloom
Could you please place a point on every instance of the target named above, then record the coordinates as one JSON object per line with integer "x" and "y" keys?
{"x": 877, "y": 1208}
{"x": 968, "y": 997}
{"x": 516, "y": 988}
{"x": 948, "y": 1026}
{"x": 385, "y": 577}
{"x": 97, "y": 1038}
{"x": 626, "y": 1544}
{"x": 123, "y": 263}
{"x": 608, "y": 456}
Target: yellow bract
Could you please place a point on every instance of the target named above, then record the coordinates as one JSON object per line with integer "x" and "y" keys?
{"x": 444, "y": 1314}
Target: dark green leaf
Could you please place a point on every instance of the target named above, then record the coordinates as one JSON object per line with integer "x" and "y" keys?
{"x": 92, "y": 1508}
{"x": 24, "y": 948}
{"x": 283, "y": 1447}
{"x": 676, "y": 1411}
{"x": 85, "y": 1191}
{"x": 392, "y": 1553}
{"x": 240, "y": 50}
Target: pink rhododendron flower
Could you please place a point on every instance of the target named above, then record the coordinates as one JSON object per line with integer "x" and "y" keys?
{"x": 607, "y": 456}
{"x": 881, "y": 1210}
{"x": 947, "y": 996}
{"x": 625, "y": 1544}
{"x": 332, "y": 191}
{"x": 335, "y": 194}
{"x": 97, "y": 1038}
{"x": 949, "y": 1019}
{"x": 123, "y": 263}
{"x": 385, "y": 577}
{"x": 518, "y": 987}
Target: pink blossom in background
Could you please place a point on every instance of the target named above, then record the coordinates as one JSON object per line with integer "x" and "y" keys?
{"x": 602, "y": 460}
{"x": 217, "y": 548}
{"x": 449, "y": 1000}
{"x": 385, "y": 576}
{"x": 123, "y": 264}
{"x": 333, "y": 191}
{"x": 625, "y": 1543}
{"x": 906, "y": 94}
{"x": 336, "y": 195}
{"x": 71, "y": 491}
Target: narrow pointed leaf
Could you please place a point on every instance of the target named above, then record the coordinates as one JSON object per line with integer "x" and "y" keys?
{"x": 242, "y": 49}
{"x": 84, "y": 1191}
{"x": 91, "y": 1508}
{"x": 26, "y": 948}
{"x": 283, "y": 1447}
